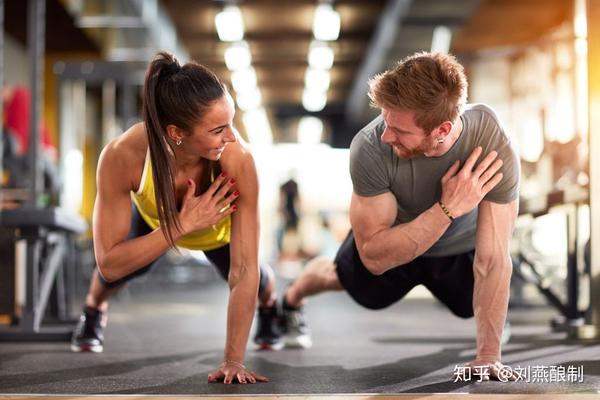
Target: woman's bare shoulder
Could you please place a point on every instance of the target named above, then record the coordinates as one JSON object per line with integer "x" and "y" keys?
{"x": 122, "y": 159}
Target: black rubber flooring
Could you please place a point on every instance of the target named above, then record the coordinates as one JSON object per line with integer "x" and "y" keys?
{"x": 164, "y": 338}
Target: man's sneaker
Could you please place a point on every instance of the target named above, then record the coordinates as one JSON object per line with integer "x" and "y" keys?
{"x": 89, "y": 333}
{"x": 295, "y": 332}
{"x": 268, "y": 333}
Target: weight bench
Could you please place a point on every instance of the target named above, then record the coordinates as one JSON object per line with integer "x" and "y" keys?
{"x": 55, "y": 229}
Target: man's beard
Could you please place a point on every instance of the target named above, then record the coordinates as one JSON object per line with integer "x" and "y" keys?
{"x": 407, "y": 154}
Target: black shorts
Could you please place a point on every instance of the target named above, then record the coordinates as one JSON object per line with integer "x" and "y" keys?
{"x": 219, "y": 257}
{"x": 449, "y": 278}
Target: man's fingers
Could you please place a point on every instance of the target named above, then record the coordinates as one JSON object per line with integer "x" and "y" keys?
{"x": 451, "y": 171}
{"x": 487, "y": 175}
{"x": 241, "y": 378}
{"x": 485, "y": 163}
{"x": 470, "y": 163}
{"x": 491, "y": 183}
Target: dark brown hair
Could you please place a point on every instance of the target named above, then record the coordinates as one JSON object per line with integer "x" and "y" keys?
{"x": 175, "y": 95}
{"x": 433, "y": 85}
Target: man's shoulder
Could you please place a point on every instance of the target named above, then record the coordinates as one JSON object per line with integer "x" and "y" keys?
{"x": 369, "y": 135}
{"x": 481, "y": 112}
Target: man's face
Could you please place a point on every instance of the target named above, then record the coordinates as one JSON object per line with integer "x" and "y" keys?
{"x": 404, "y": 136}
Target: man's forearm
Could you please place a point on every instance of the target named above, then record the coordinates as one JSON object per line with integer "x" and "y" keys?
{"x": 402, "y": 243}
{"x": 490, "y": 304}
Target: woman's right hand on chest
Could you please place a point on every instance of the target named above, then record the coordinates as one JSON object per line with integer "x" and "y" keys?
{"x": 205, "y": 210}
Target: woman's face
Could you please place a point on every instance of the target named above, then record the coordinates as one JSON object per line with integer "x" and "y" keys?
{"x": 211, "y": 135}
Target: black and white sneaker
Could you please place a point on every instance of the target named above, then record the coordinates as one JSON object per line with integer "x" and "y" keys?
{"x": 295, "y": 332}
{"x": 268, "y": 331}
{"x": 89, "y": 333}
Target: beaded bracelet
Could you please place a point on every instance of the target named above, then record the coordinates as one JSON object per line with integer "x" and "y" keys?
{"x": 446, "y": 211}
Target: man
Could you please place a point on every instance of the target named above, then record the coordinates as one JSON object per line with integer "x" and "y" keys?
{"x": 435, "y": 198}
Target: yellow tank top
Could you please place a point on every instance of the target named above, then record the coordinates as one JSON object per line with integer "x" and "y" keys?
{"x": 145, "y": 202}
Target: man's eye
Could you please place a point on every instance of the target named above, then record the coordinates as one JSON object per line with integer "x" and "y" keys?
{"x": 220, "y": 131}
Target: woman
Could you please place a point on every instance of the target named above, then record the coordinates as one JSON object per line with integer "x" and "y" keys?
{"x": 183, "y": 168}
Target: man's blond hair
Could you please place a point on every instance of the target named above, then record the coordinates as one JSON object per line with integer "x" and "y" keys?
{"x": 433, "y": 85}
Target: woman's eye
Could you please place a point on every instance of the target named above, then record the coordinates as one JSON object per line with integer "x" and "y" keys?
{"x": 219, "y": 131}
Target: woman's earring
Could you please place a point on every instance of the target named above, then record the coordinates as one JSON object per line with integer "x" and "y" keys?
{"x": 178, "y": 142}
{"x": 440, "y": 140}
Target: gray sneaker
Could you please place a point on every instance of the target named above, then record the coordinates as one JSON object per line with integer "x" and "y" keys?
{"x": 295, "y": 332}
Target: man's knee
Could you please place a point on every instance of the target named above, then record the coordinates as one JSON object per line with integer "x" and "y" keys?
{"x": 323, "y": 270}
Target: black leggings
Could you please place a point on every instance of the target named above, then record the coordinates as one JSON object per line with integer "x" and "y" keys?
{"x": 219, "y": 257}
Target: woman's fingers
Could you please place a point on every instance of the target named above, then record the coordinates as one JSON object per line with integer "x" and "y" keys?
{"x": 191, "y": 189}
{"x": 212, "y": 189}
{"x": 216, "y": 375}
{"x": 259, "y": 377}
{"x": 223, "y": 190}
{"x": 228, "y": 200}
{"x": 242, "y": 375}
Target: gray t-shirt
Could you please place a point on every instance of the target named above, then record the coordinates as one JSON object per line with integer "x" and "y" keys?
{"x": 416, "y": 183}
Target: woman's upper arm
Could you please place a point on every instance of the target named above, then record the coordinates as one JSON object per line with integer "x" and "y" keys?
{"x": 112, "y": 209}
{"x": 239, "y": 164}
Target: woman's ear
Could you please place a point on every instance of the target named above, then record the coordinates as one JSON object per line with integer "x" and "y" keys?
{"x": 174, "y": 133}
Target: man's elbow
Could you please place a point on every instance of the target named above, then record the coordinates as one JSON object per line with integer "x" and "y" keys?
{"x": 372, "y": 264}
{"x": 488, "y": 263}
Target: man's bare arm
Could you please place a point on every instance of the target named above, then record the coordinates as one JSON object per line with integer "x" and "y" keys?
{"x": 383, "y": 247}
{"x": 492, "y": 270}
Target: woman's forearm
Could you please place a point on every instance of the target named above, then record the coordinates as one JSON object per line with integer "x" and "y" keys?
{"x": 240, "y": 312}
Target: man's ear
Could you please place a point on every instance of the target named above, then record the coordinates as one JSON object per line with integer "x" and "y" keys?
{"x": 174, "y": 133}
{"x": 444, "y": 128}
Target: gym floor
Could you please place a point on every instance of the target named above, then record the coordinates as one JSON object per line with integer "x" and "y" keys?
{"x": 163, "y": 339}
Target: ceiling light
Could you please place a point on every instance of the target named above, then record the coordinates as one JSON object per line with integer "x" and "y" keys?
{"x": 258, "y": 127}
{"x": 326, "y": 25}
{"x": 249, "y": 100}
{"x": 237, "y": 56}
{"x": 310, "y": 130}
{"x": 317, "y": 79}
{"x": 244, "y": 80}
{"x": 440, "y": 42}
{"x": 230, "y": 26}
{"x": 320, "y": 55}
{"x": 314, "y": 100}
